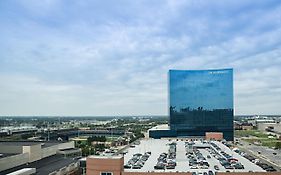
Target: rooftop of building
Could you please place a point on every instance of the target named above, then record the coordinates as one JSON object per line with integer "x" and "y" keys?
{"x": 106, "y": 157}
{"x": 3, "y": 155}
{"x": 69, "y": 151}
{"x": 208, "y": 153}
{"x": 30, "y": 143}
{"x": 46, "y": 165}
{"x": 161, "y": 127}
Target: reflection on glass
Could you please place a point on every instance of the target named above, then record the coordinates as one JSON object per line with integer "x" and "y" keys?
{"x": 201, "y": 101}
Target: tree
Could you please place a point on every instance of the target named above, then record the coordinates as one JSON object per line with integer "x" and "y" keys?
{"x": 278, "y": 145}
{"x": 26, "y": 136}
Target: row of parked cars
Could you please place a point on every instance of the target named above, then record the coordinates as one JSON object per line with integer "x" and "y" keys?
{"x": 224, "y": 158}
{"x": 254, "y": 160}
{"x": 197, "y": 160}
{"x": 167, "y": 160}
{"x": 137, "y": 161}
{"x": 264, "y": 166}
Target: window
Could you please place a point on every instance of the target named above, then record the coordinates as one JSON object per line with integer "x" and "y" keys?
{"x": 106, "y": 173}
{"x": 201, "y": 101}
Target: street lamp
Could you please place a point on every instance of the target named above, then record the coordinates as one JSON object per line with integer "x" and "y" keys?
{"x": 90, "y": 150}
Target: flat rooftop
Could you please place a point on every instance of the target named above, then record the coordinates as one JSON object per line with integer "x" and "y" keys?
{"x": 105, "y": 157}
{"x": 158, "y": 146}
{"x": 46, "y": 165}
{"x": 3, "y": 155}
{"x": 29, "y": 143}
{"x": 161, "y": 127}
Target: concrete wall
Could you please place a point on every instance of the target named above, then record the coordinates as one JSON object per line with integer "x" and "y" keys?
{"x": 49, "y": 151}
{"x": 66, "y": 145}
{"x": 34, "y": 152}
{"x": 52, "y": 150}
{"x": 13, "y": 161}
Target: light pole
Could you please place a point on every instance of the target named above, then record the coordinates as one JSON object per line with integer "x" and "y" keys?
{"x": 89, "y": 150}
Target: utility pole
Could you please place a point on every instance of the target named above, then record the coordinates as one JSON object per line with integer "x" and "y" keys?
{"x": 48, "y": 129}
{"x": 59, "y": 123}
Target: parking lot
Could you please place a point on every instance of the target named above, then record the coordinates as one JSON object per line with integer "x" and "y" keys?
{"x": 159, "y": 149}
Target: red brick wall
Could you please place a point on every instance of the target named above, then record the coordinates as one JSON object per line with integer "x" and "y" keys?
{"x": 97, "y": 165}
{"x": 214, "y": 135}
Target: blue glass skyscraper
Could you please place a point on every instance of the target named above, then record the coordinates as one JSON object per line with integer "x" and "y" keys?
{"x": 201, "y": 101}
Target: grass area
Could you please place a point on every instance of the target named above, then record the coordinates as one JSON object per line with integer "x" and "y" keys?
{"x": 263, "y": 141}
{"x": 247, "y": 133}
{"x": 111, "y": 139}
{"x": 271, "y": 143}
{"x": 255, "y": 136}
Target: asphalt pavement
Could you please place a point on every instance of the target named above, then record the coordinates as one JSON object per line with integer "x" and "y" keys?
{"x": 270, "y": 155}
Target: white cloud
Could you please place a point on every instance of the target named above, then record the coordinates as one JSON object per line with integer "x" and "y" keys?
{"x": 87, "y": 58}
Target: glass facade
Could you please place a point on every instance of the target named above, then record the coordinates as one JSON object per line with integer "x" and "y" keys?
{"x": 201, "y": 101}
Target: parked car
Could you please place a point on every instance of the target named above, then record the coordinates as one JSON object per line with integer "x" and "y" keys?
{"x": 127, "y": 166}
{"x": 136, "y": 166}
{"x": 216, "y": 167}
{"x": 194, "y": 167}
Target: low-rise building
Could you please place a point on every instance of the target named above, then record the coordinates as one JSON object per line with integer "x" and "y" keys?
{"x": 270, "y": 127}
{"x": 46, "y": 157}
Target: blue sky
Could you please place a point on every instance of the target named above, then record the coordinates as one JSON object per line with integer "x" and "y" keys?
{"x": 210, "y": 89}
{"x": 66, "y": 57}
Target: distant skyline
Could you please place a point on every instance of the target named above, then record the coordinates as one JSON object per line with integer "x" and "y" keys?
{"x": 96, "y": 58}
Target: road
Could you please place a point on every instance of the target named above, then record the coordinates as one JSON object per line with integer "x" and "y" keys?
{"x": 263, "y": 153}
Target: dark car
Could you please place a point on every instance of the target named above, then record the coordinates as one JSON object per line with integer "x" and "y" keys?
{"x": 170, "y": 167}
{"x": 270, "y": 168}
{"x": 159, "y": 167}
{"x": 136, "y": 167}
{"x": 238, "y": 166}
{"x": 216, "y": 167}
{"x": 228, "y": 167}
{"x": 127, "y": 166}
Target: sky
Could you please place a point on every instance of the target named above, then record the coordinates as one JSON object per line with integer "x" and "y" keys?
{"x": 69, "y": 57}
{"x": 210, "y": 89}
